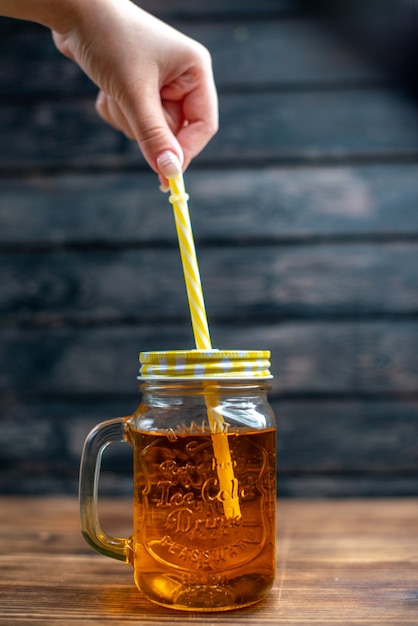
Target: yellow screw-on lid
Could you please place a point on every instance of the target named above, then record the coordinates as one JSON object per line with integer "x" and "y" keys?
{"x": 205, "y": 364}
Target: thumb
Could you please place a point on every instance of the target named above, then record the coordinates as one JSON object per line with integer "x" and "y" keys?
{"x": 168, "y": 165}
{"x": 160, "y": 148}
{"x": 156, "y": 141}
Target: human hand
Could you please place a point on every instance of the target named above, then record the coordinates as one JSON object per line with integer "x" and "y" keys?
{"x": 156, "y": 85}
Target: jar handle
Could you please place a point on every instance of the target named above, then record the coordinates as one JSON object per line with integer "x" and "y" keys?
{"x": 96, "y": 442}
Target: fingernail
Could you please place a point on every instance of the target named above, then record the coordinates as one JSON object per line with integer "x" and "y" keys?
{"x": 168, "y": 164}
{"x": 164, "y": 188}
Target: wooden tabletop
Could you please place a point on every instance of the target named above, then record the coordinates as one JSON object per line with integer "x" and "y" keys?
{"x": 339, "y": 562}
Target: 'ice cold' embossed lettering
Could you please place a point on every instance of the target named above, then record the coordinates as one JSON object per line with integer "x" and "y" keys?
{"x": 199, "y": 475}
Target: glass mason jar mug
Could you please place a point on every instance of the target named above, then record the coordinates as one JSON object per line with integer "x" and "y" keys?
{"x": 204, "y": 449}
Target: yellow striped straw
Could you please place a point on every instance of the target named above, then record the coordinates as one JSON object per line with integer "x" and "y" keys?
{"x": 191, "y": 272}
{"x": 227, "y": 482}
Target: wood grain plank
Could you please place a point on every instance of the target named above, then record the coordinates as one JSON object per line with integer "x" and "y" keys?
{"x": 321, "y": 485}
{"x": 339, "y": 562}
{"x": 307, "y": 126}
{"x": 240, "y": 283}
{"x": 219, "y": 7}
{"x": 245, "y": 54}
{"x": 188, "y": 9}
{"x": 320, "y": 358}
{"x": 347, "y": 437}
{"x": 318, "y": 603}
{"x": 345, "y": 386}
{"x": 241, "y": 205}
{"x": 33, "y": 531}
{"x": 316, "y": 437}
{"x": 39, "y": 480}
{"x": 296, "y": 127}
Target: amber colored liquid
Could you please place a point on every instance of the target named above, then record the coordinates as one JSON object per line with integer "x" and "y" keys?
{"x": 186, "y": 553}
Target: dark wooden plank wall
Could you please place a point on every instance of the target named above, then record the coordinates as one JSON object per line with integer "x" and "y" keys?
{"x": 306, "y": 222}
